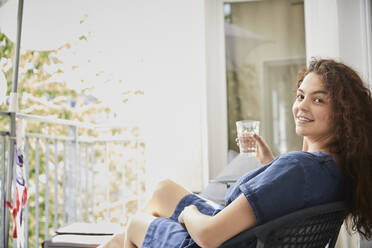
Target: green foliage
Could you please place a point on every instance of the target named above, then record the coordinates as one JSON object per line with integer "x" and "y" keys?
{"x": 43, "y": 93}
{"x": 39, "y": 95}
{"x": 6, "y": 53}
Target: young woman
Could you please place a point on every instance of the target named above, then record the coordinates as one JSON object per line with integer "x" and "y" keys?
{"x": 333, "y": 113}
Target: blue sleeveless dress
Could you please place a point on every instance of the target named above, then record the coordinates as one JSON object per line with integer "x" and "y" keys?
{"x": 290, "y": 182}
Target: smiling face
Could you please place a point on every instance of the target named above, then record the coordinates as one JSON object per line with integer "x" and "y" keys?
{"x": 312, "y": 110}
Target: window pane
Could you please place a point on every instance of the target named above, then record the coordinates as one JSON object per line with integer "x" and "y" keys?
{"x": 265, "y": 47}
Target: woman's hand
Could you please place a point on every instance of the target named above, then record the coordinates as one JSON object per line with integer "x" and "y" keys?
{"x": 212, "y": 231}
{"x": 264, "y": 154}
{"x": 196, "y": 223}
{"x": 187, "y": 211}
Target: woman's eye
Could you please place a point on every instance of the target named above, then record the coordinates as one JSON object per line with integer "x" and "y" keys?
{"x": 318, "y": 100}
{"x": 300, "y": 97}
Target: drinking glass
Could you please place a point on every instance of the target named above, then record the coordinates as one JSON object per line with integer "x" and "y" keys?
{"x": 245, "y": 130}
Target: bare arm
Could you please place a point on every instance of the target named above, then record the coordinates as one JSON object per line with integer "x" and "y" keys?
{"x": 212, "y": 231}
{"x": 264, "y": 154}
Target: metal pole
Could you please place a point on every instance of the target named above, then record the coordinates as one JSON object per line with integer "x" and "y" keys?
{"x": 17, "y": 48}
{"x": 13, "y": 107}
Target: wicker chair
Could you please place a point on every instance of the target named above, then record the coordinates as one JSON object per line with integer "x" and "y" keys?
{"x": 310, "y": 227}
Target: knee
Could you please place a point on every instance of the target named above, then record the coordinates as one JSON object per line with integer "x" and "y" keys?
{"x": 162, "y": 187}
{"x": 163, "y": 184}
{"x": 132, "y": 228}
{"x": 129, "y": 229}
{"x": 137, "y": 228}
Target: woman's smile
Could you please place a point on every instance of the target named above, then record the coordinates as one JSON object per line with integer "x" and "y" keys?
{"x": 303, "y": 120}
{"x": 312, "y": 109}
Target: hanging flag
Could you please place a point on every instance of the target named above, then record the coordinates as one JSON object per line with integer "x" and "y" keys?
{"x": 17, "y": 211}
{"x": 21, "y": 198}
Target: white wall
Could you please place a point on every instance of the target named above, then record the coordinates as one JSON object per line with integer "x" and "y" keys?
{"x": 174, "y": 70}
{"x": 355, "y": 35}
{"x": 186, "y": 131}
{"x": 337, "y": 29}
{"x": 215, "y": 101}
{"x": 175, "y": 48}
{"x": 322, "y": 27}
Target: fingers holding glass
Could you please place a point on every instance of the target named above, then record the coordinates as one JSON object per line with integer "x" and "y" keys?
{"x": 247, "y": 143}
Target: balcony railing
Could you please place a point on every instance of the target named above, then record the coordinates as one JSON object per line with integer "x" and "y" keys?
{"x": 75, "y": 177}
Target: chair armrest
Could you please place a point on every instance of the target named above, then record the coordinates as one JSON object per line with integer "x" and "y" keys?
{"x": 247, "y": 237}
{"x": 262, "y": 232}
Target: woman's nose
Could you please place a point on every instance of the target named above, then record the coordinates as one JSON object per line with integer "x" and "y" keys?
{"x": 304, "y": 104}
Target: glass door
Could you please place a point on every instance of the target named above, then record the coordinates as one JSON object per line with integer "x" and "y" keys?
{"x": 265, "y": 48}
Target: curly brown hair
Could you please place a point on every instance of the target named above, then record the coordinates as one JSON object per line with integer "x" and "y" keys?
{"x": 352, "y": 136}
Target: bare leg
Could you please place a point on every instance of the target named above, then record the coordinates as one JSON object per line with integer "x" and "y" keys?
{"x": 137, "y": 230}
{"x": 128, "y": 244}
{"x": 165, "y": 199}
{"x": 162, "y": 204}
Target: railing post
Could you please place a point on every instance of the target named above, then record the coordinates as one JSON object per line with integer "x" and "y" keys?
{"x": 138, "y": 172}
{"x": 37, "y": 167}
{"x": 46, "y": 226}
{"x": 55, "y": 184}
{"x": 92, "y": 181}
{"x": 27, "y": 166}
{"x": 64, "y": 184}
{"x": 107, "y": 213}
{"x": 72, "y": 161}
{"x": 78, "y": 185}
{"x": 3, "y": 183}
{"x": 86, "y": 183}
